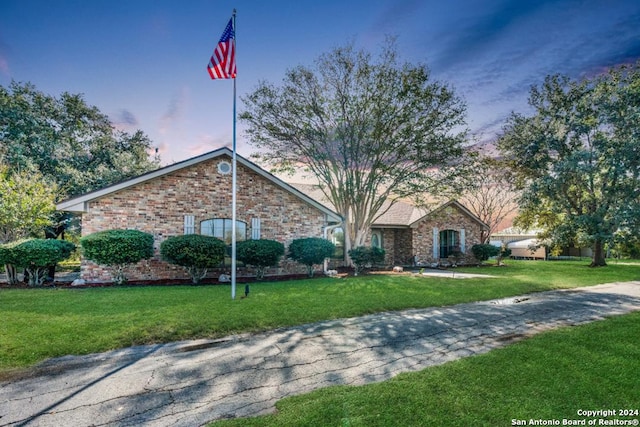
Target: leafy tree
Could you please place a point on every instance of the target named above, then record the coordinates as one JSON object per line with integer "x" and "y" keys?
{"x": 490, "y": 195}
{"x": 117, "y": 249}
{"x": 36, "y": 255}
{"x": 195, "y": 252}
{"x": 26, "y": 203}
{"x": 364, "y": 256}
{"x": 310, "y": 251}
{"x": 68, "y": 141}
{"x": 260, "y": 253}
{"x": 370, "y": 131}
{"x": 577, "y": 157}
{"x": 626, "y": 244}
{"x": 26, "y": 207}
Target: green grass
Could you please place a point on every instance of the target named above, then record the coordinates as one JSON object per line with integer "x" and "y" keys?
{"x": 550, "y": 376}
{"x": 42, "y": 323}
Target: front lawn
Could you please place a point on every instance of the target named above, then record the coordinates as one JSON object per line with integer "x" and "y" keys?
{"x": 42, "y": 323}
{"x": 547, "y": 378}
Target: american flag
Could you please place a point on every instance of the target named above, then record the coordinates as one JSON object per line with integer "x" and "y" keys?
{"x": 223, "y": 61}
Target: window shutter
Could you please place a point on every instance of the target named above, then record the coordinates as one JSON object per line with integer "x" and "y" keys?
{"x": 436, "y": 248}
{"x": 255, "y": 228}
{"x": 189, "y": 224}
{"x": 463, "y": 243}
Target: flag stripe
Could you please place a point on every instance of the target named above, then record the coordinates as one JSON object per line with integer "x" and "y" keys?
{"x": 222, "y": 64}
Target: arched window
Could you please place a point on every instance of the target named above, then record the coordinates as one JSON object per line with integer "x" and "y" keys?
{"x": 376, "y": 239}
{"x": 337, "y": 238}
{"x": 449, "y": 243}
{"x": 221, "y": 228}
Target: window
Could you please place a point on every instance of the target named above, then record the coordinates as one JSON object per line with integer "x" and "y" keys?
{"x": 225, "y": 168}
{"x": 449, "y": 243}
{"x": 189, "y": 224}
{"x": 376, "y": 239}
{"x": 221, "y": 228}
{"x": 337, "y": 238}
{"x": 255, "y": 228}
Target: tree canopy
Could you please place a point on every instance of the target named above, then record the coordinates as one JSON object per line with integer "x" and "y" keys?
{"x": 369, "y": 130}
{"x": 69, "y": 142}
{"x": 577, "y": 157}
{"x": 26, "y": 204}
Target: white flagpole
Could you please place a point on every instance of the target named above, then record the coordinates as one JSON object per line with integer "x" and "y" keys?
{"x": 233, "y": 182}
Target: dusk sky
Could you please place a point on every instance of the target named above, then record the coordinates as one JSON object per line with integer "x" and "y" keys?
{"x": 143, "y": 62}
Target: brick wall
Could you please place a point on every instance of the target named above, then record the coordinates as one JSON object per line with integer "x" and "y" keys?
{"x": 449, "y": 218}
{"x": 159, "y": 206}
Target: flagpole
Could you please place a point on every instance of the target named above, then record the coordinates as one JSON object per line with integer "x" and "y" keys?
{"x": 233, "y": 183}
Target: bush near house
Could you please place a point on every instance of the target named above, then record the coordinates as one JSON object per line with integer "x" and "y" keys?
{"x": 117, "y": 249}
{"x": 311, "y": 251}
{"x": 261, "y": 253}
{"x": 35, "y": 256}
{"x": 195, "y": 252}
{"x": 484, "y": 252}
{"x": 364, "y": 257}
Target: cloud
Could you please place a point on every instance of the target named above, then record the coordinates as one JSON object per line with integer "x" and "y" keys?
{"x": 125, "y": 120}
{"x": 469, "y": 39}
{"x": 175, "y": 111}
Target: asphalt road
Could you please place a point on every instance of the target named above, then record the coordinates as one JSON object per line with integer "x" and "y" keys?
{"x": 191, "y": 383}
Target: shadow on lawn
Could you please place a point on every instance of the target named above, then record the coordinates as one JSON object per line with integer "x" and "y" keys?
{"x": 192, "y": 383}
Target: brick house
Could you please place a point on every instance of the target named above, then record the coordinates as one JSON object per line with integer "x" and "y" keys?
{"x": 194, "y": 196}
{"x": 411, "y": 235}
{"x": 442, "y": 235}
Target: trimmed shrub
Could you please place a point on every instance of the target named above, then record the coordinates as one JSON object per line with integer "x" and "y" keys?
{"x": 195, "y": 252}
{"x": 364, "y": 257}
{"x": 260, "y": 253}
{"x": 35, "y": 256}
{"x": 484, "y": 252}
{"x": 117, "y": 249}
{"x": 310, "y": 251}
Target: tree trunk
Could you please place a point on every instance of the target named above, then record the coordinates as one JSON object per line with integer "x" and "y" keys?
{"x": 598, "y": 259}
{"x": 12, "y": 274}
{"x": 347, "y": 241}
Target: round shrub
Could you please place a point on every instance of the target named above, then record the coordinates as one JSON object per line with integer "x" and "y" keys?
{"x": 260, "y": 253}
{"x": 194, "y": 252}
{"x": 117, "y": 249}
{"x": 364, "y": 256}
{"x": 310, "y": 251}
{"x": 484, "y": 252}
{"x": 35, "y": 256}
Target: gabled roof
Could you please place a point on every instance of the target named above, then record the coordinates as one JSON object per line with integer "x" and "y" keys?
{"x": 459, "y": 206}
{"x": 400, "y": 214}
{"x": 79, "y": 204}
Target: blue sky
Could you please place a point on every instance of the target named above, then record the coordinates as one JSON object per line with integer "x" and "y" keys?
{"x": 143, "y": 62}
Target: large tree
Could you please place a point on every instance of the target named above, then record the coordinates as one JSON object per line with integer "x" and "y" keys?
{"x": 371, "y": 131}
{"x": 577, "y": 157}
{"x": 70, "y": 142}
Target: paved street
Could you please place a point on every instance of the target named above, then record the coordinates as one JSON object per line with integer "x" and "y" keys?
{"x": 190, "y": 383}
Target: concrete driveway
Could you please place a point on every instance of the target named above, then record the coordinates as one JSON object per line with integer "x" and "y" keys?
{"x": 191, "y": 383}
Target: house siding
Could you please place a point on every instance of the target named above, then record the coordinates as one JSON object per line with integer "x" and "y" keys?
{"x": 159, "y": 207}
